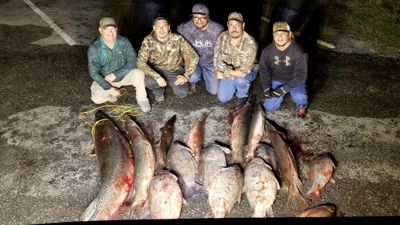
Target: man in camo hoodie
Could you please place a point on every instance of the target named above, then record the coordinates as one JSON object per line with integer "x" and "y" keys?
{"x": 166, "y": 58}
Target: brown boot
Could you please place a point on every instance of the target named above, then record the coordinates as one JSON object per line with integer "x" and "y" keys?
{"x": 192, "y": 88}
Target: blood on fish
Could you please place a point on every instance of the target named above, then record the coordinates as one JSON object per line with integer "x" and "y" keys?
{"x": 103, "y": 139}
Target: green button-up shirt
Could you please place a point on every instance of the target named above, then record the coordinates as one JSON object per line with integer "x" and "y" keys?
{"x": 102, "y": 60}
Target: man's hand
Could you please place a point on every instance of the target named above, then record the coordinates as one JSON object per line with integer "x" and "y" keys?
{"x": 268, "y": 93}
{"x": 110, "y": 77}
{"x": 218, "y": 74}
{"x": 114, "y": 92}
{"x": 237, "y": 73}
{"x": 180, "y": 79}
{"x": 161, "y": 81}
{"x": 278, "y": 92}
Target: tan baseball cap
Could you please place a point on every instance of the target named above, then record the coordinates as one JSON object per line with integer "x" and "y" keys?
{"x": 106, "y": 22}
{"x": 281, "y": 26}
{"x": 235, "y": 16}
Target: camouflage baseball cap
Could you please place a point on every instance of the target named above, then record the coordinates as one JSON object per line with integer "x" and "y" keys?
{"x": 200, "y": 9}
{"x": 235, "y": 16}
{"x": 107, "y": 21}
{"x": 281, "y": 26}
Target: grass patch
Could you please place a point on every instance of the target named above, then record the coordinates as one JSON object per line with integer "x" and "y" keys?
{"x": 373, "y": 20}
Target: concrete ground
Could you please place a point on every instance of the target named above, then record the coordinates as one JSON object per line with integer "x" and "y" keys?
{"x": 45, "y": 171}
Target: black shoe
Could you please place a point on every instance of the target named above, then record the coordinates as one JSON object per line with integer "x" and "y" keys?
{"x": 242, "y": 100}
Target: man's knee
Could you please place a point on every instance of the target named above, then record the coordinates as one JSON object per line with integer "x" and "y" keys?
{"x": 270, "y": 107}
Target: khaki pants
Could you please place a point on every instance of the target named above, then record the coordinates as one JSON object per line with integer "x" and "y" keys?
{"x": 135, "y": 77}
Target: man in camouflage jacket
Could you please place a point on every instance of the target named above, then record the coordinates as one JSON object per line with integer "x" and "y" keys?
{"x": 166, "y": 57}
{"x": 234, "y": 58}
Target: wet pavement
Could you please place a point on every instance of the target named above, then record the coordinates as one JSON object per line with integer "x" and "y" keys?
{"x": 47, "y": 176}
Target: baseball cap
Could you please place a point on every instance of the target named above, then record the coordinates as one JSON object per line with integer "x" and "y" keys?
{"x": 281, "y": 26}
{"x": 160, "y": 17}
{"x": 107, "y": 21}
{"x": 235, "y": 16}
{"x": 200, "y": 9}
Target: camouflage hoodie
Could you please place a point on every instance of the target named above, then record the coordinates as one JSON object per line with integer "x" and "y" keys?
{"x": 227, "y": 56}
{"x": 170, "y": 55}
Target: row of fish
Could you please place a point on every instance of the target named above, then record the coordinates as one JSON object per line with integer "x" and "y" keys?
{"x": 156, "y": 183}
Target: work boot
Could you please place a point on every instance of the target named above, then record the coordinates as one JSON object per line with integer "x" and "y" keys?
{"x": 242, "y": 100}
{"x": 144, "y": 105}
{"x": 192, "y": 88}
{"x": 301, "y": 112}
{"x": 160, "y": 98}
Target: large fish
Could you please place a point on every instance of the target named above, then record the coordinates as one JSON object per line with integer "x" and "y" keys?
{"x": 165, "y": 196}
{"x": 166, "y": 137}
{"x": 212, "y": 160}
{"x": 261, "y": 187}
{"x": 267, "y": 153}
{"x": 182, "y": 163}
{"x": 196, "y": 136}
{"x": 115, "y": 160}
{"x": 320, "y": 173}
{"x": 225, "y": 191}
{"x": 144, "y": 165}
{"x": 239, "y": 132}
{"x": 288, "y": 169}
{"x": 256, "y": 130}
{"x": 326, "y": 210}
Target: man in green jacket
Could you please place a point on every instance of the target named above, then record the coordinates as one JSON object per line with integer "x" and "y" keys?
{"x": 112, "y": 60}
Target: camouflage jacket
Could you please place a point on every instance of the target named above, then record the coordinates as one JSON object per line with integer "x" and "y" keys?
{"x": 170, "y": 55}
{"x": 228, "y": 57}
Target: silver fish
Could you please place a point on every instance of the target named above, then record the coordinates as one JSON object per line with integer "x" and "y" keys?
{"x": 165, "y": 196}
{"x": 212, "y": 160}
{"x": 261, "y": 187}
{"x": 144, "y": 165}
{"x": 225, "y": 191}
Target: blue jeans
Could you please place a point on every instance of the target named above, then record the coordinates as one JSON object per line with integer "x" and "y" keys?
{"x": 298, "y": 95}
{"x": 240, "y": 85}
{"x": 210, "y": 82}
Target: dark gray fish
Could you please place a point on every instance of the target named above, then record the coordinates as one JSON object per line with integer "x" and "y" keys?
{"x": 267, "y": 153}
{"x": 182, "y": 163}
{"x": 166, "y": 137}
{"x": 115, "y": 160}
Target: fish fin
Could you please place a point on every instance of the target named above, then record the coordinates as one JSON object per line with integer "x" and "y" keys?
{"x": 332, "y": 180}
{"x": 92, "y": 152}
{"x": 89, "y": 211}
{"x": 140, "y": 211}
{"x": 295, "y": 199}
{"x": 270, "y": 212}
{"x": 209, "y": 214}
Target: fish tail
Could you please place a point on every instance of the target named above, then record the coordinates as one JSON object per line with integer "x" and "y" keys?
{"x": 314, "y": 193}
{"x": 295, "y": 199}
